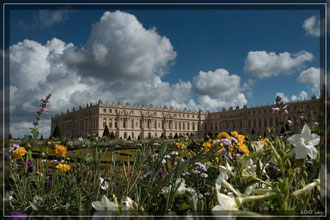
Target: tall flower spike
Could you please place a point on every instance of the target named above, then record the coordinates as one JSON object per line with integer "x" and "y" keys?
{"x": 305, "y": 143}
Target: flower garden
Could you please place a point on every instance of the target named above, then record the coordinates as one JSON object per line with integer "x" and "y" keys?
{"x": 230, "y": 174}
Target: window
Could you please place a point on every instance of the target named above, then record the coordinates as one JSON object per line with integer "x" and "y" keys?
{"x": 104, "y": 110}
{"x": 132, "y": 123}
{"x": 110, "y": 110}
{"x": 136, "y": 124}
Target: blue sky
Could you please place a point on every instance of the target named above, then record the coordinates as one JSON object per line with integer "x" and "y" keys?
{"x": 198, "y": 40}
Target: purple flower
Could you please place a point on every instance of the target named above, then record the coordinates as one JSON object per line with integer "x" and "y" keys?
{"x": 103, "y": 175}
{"x": 15, "y": 147}
{"x": 204, "y": 175}
{"x": 163, "y": 161}
{"x": 196, "y": 172}
{"x": 226, "y": 157}
{"x": 49, "y": 182}
{"x": 175, "y": 153}
{"x": 154, "y": 155}
{"x": 54, "y": 161}
{"x": 16, "y": 215}
{"x": 226, "y": 141}
{"x": 167, "y": 156}
{"x": 161, "y": 173}
{"x": 30, "y": 166}
{"x": 233, "y": 139}
{"x": 44, "y": 161}
{"x": 186, "y": 174}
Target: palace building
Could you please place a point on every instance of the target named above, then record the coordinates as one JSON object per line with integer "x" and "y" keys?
{"x": 145, "y": 122}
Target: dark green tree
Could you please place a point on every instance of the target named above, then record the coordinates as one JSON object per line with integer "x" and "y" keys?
{"x": 112, "y": 135}
{"x": 176, "y": 136}
{"x": 41, "y": 137}
{"x": 57, "y": 132}
{"x": 139, "y": 138}
{"x": 106, "y": 132}
{"x": 129, "y": 138}
{"x": 10, "y": 137}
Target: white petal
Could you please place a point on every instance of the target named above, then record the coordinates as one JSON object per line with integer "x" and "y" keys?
{"x": 312, "y": 152}
{"x": 301, "y": 152}
{"x": 97, "y": 205}
{"x": 226, "y": 202}
{"x": 295, "y": 139}
{"x": 217, "y": 207}
{"x": 305, "y": 132}
{"x": 314, "y": 139}
{"x": 105, "y": 200}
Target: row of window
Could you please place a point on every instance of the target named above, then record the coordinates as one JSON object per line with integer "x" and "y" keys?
{"x": 148, "y": 123}
{"x": 148, "y": 113}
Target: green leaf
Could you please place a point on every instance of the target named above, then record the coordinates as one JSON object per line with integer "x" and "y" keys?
{"x": 184, "y": 206}
{"x": 250, "y": 183}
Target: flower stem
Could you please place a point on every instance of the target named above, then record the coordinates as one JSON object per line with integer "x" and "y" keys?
{"x": 306, "y": 188}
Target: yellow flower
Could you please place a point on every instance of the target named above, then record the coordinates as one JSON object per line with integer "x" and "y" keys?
{"x": 234, "y": 134}
{"x": 243, "y": 148}
{"x": 221, "y": 149}
{"x": 20, "y": 152}
{"x": 223, "y": 135}
{"x": 60, "y": 150}
{"x": 265, "y": 142}
{"x": 180, "y": 145}
{"x": 207, "y": 145}
{"x": 240, "y": 138}
{"x": 231, "y": 148}
{"x": 64, "y": 167}
{"x": 37, "y": 173}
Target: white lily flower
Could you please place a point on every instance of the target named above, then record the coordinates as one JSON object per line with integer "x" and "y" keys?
{"x": 257, "y": 145}
{"x": 182, "y": 187}
{"x": 305, "y": 143}
{"x": 225, "y": 202}
{"x": 104, "y": 185}
{"x": 127, "y": 204}
{"x": 104, "y": 204}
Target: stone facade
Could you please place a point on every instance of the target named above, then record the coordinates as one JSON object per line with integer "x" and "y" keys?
{"x": 141, "y": 121}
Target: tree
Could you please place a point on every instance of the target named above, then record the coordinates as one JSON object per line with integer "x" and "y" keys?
{"x": 10, "y": 137}
{"x": 112, "y": 135}
{"x": 139, "y": 138}
{"x": 41, "y": 137}
{"x": 176, "y": 136}
{"x": 106, "y": 132}
{"x": 162, "y": 136}
{"x": 129, "y": 138}
{"x": 57, "y": 132}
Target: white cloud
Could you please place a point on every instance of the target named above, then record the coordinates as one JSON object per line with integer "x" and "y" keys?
{"x": 263, "y": 64}
{"x": 119, "y": 46}
{"x": 131, "y": 61}
{"x": 312, "y": 26}
{"x": 51, "y": 17}
{"x": 248, "y": 86}
{"x": 311, "y": 76}
{"x": 302, "y": 96}
{"x": 218, "y": 89}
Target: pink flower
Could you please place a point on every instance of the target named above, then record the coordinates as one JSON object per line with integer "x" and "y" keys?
{"x": 285, "y": 107}
{"x": 275, "y": 110}
{"x": 290, "y": 123}
{"x": 286, "y": 112}
{"x": 41, "y": 109}
{"x": 302, "y": 118}
{"x": 42, "y": 100}
{"x": 316, "y": 124}
{"x": 46, "y": 110}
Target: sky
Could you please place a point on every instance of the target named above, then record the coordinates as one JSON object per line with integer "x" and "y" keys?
{"x": 194, "y": 59}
